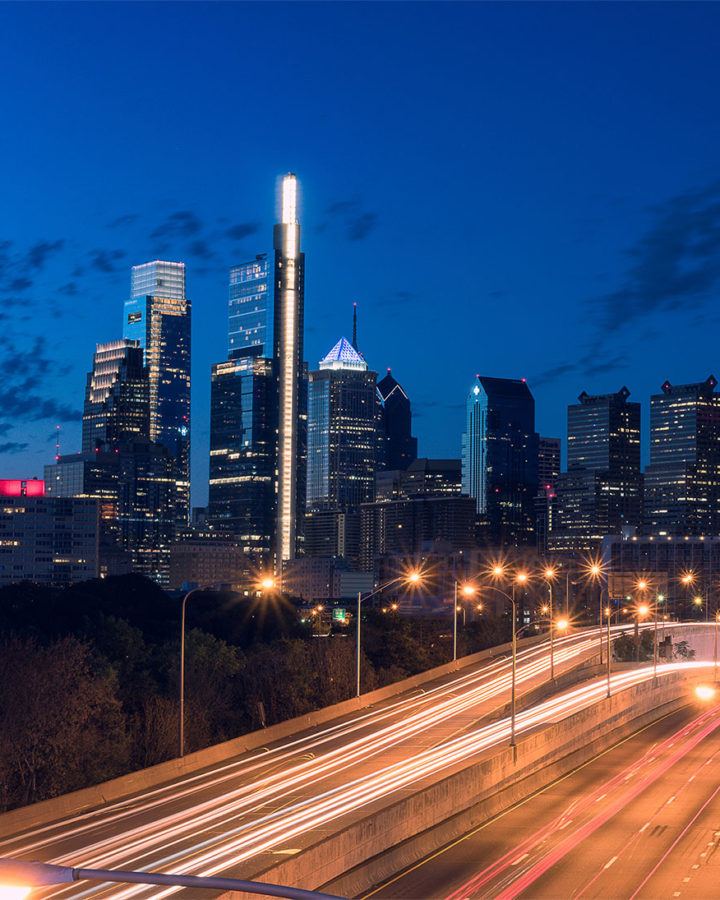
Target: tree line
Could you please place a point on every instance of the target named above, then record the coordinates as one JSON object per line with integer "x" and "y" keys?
{"x": 89, "y": 674}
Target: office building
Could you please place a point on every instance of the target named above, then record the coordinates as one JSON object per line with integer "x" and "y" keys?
{"x": 423, "y": 478}
{"x": 683, "y": 478}
{"x": 548, "y": 472}
{"x": 250, "y": 314}
{"x": 288, "y": 335}
{"x": 117, "y": 398}
{"x": 313, "y": 579}
{"x": 343, "y": 428}
{"x": 400, "y": 445}
{"x": 243, "y": 438}
{"x": 201, "y": 558}
{"x": 500, "y": 459}
{"x": 412, "y": 527}
{"x": 48, "y": 540}
{"x": 601, "y": 493}
{"x": 157, "y": 317}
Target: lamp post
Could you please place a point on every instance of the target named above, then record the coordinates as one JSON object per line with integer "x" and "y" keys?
{"x": 550, "y": 574}
{"x": 185, "y": 599}
{"x": 715, "y": 649}
{"x": 608, "y": 612}
{"x": 687, "y": 579}
{"x": 594, "y": 571}
{"x": 21, "y": 877}
{"x": 467, "y": 591}
{"x": 411, "y": 579}
{"x": 641, "y": 609}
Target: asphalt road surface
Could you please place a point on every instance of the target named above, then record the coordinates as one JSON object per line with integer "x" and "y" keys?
{"x": 641, "y": 820}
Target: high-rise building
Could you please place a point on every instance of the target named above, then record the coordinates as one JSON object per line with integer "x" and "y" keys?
{"x": 343, "y": 425}
{"x": 548, "y": 472}
{"x": 250, "y": 319}
{"x": 682, "y": 482}
{"x": 291, "y": 372}
{"x": 116, "y": 396}
{"x": 400, "y": 445}
{"x": 243, "y": 437}
{"x": 500, "y": 459}
{"x": 423, "y": 478}
{"x": 44, "y": 539}
{"x": 343, "y": 450}
{"x": 601, "y": 493}
{"x": 157, "y": 316}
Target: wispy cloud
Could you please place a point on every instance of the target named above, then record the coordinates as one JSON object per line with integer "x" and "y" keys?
{"x": 355, "y": 221}
{"x": 242, "y": 230}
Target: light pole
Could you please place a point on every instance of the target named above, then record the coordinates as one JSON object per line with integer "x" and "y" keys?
{"x": 413, "y": 578}
{"x": 594, "y": 571}
{"x": 688, "y": 580}
{"x": 468, "y": 591}
{"x": 608, "y": 612}
{"x": 715, "y": 650}
{"x": 641, "y": 609}
{"x": 550, "y": 575}
{"x": 185, "y": 599}
{"x": 21, "y": 877}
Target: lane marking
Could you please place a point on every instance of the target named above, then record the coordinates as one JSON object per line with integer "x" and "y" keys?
{"x": 609, "y": 862}
{"x": 520, "y": 859}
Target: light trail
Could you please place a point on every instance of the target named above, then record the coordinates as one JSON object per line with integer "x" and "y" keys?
{"x": 270, "y": 808}
{"x": 501, "y": 882}
{"x": 307, "y": 813}
{"x": 475, "y": 686}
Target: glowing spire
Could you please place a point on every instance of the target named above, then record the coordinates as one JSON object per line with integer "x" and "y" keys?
{"x": 289, "y": 199}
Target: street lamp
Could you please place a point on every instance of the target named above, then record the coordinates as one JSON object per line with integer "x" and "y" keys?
{"x": 18, "y": 878}
{"x": 468, "y": 590}
{"x": 594, "y": 571}
{"x": 642, "y": 610}
{"x": 412, "y": 578}
{"x": 550, "y": 574}
{"x": 185, "y": 599}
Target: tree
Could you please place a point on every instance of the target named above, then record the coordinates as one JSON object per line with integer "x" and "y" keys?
{"x": 61, "y": 724}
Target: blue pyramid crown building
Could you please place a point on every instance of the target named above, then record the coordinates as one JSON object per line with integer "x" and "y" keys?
{"x": 343, "y": 356}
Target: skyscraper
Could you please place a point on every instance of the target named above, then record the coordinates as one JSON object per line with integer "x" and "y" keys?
{"x": 250, "y": 320}
{"x": 342, "y": 429}
{"x": 682, "y": 482}
{"x": 400, "y": 445}
{"x": 292, "y": 382}
{"x": 601, "y": 493}
{"x": 243, "y": 437}
{"x": 548, "y": 472}
{"x": 117, "y": 401}
{"x": 500, "y": 459}
{"x": 157, "y": 316}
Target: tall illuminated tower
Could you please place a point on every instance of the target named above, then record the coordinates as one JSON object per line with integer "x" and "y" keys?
{"x": 292, "y": 388}
{"x": 157, "y": 315}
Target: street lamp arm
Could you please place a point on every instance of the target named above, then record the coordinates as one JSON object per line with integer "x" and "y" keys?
{"x": 19, "y": 873}
{"x": 382, "y": 587}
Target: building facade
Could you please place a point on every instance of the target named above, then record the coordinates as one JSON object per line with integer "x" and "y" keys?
{"x": 500, "y": 459}
{"x": 117, "y": 396}
{"x": 157, "y": 317}
{"x": 250, "y": 315}
{"x": 683, "y": 478}
{"x": 243, "y": 437}
{"x": 602, "y": 491}
{"x": 47, "y": 540}
{"x": 400, "y": 445}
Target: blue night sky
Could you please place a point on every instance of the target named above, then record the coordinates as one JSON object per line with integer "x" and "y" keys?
{"x": 515, "y": 190}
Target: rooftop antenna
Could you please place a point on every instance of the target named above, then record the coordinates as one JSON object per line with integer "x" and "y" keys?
{"x": 354, "y": 340}
{"x": 57, "y": 443}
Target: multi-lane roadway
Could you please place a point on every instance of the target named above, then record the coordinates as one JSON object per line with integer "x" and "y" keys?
{"x": 641, "y": 820}
{"x": 241, "y": 816}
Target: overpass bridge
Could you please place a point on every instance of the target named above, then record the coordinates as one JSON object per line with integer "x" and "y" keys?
{"x": 341, "y": 798}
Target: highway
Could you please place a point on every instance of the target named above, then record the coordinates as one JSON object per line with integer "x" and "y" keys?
{"x": 242, "y": 815}
{"x": 638, "y": 821}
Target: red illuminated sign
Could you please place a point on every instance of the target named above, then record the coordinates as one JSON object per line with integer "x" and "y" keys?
{"x": 15, "y": 487}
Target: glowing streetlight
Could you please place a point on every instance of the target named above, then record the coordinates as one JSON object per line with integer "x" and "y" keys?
{"x": 411, "y": 579}
{"x": 469, "y": 590}
{"x": 267, "y": 583}
{"x": 497, "y": 571}
{"x": 698, "y": 601}
{"x": 643, "y": 610}
{"x": 704, "y": 692}
{"x": 521, "y": 578}
{"x": 562, "y": 624}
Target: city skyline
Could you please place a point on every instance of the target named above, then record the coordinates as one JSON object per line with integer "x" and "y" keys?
{"x": 537, "y": 255}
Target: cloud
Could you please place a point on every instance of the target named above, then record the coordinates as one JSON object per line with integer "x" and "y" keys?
{"x": 181, "y": 224}
{"x": 122, "y": 221}
{"x": 676, "y": 264}
{"x": 591, "y": 363}
{"x": 70, "y": 289}
{"x": 24, "y": 378}
{"x": 104, "y": 260}
{"x": 13, "y": 447}
{"x": 40, "y": 252}
{"x": 242, "y": 230}
{"x": 201, "y": 249}
{"x": 356, "y": 222}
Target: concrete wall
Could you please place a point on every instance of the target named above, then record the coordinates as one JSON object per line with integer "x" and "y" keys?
{"x": 377, "y": 845}
{"x": 144, "y": 779}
